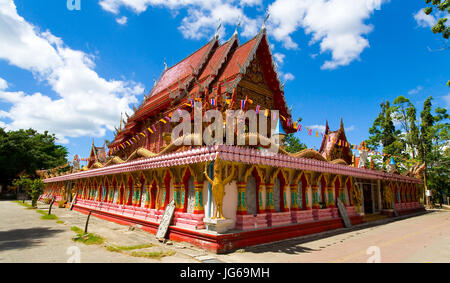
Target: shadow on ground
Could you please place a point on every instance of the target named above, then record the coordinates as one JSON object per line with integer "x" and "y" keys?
{"x": 291, "y": 246}
{"x": 23, "y": 238}
{"x": 280, "y": 248}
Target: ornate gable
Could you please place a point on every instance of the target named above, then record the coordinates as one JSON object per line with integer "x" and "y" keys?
{"x": 331, "y": 149}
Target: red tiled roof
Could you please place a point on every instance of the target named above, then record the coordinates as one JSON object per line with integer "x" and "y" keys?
{"x": 181, "y": 72}
{"x": 217, "y": 58}
{"x": 183, "y": 69}
{"x": 240, "y": 56}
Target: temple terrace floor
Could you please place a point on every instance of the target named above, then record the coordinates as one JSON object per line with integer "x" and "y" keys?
{"x": 25, "y": 237}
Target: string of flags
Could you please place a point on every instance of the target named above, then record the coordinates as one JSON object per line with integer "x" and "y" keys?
{"x": 298, "y": 127}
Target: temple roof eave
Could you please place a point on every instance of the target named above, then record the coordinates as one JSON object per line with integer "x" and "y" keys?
{"x": 234, "y": 154}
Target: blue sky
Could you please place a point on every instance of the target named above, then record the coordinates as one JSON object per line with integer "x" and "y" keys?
{"x": 74, "y": 72}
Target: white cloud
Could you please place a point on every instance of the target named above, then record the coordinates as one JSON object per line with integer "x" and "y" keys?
{"x": 320, "y": 128}
{"x": 86, "y": 104}
{"x": 203, "y": 16}
{"x": 288, "y": 77}
{"x": 3, "y": 84}
{"x": 350, "y": 129}
{"x": 279, "y": 57}
{"x": 122, "y": 21}
{"x": 339, "y": 26}
{"x": 447, "y": 100}
{"x": 424, "y": 20}
{"x": 416, "y": 90}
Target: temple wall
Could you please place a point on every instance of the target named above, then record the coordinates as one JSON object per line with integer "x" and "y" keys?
{"x": 230, "y": 201}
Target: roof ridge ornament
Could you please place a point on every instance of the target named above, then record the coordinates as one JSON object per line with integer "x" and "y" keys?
{"x": 216, "y": 35}
{"x": 165, "y": 65}
{"x": 237, "y": 26}
{"x": 263, "y": 28}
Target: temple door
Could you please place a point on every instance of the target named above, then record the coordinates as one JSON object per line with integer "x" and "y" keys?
{"x": 368, "y": 206}
{"x": 191, "y": 196}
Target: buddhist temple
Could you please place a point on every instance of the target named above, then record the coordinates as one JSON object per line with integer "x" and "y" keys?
{"x": 227, "y": 196}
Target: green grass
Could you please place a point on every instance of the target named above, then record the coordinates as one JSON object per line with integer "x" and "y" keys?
{"x": 60, "y": 222}
{"x": 49, "y": 217}
{"x": 154, "y": 255}
{"x": 119, "y": 249}
{"x": 87, "y": 239}
{"x": 23, "y": 204}
{"x": 77, "y": 230}
{"x": 42, "y": 212}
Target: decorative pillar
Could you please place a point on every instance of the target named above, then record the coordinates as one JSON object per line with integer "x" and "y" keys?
{"x": 137, "y": 193}
{"x": 285, "y": 199}
{"x": 198, "y": 198}
{"x": 330, "y": 196}
{"x": 315, "y": 197}
{"x": 295, "y": 206}
{"x": 408, "y": 193}
{"x": 269, "y": 198}
{"x": 242, "y": 205}
{"x": 177, "y": 196}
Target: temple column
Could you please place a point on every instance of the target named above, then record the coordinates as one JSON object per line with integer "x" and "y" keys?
{"x": 269, "y": 198}
{"x": 408, "y": 193}
{"x": 198, "y": 198}
{"x": 315, "y": 197}
{"x": 177, "y": 196}
{"x": 295, "y": 206}
{"x": 286, "y": 204}
{"x": 308, "y": 197}
{"x": 330, "y": 196}
{"x": 242, "y": 205}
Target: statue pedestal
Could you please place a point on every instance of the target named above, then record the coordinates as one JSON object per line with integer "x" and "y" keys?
{"x": 218, "y": 225}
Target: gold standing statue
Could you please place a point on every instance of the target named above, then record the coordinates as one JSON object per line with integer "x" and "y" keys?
{"x": 357, "y": 198}
{"x": 388, "y": 197}
{"x": 218, "y": 186}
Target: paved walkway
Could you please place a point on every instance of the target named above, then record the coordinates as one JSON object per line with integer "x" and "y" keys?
{"x": 424, "y": 238}
{"x": 24, "y": 237}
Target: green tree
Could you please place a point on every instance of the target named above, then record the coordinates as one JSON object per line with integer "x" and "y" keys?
{"x": 438, "y": 159}
{"x": 404, "y": 113}
{"x": 426, "y": 130}
{"x": 292, "y": 144}
{"x": 37, "y": 189}
{"x": 383, "y": 133}
{"x": 23, "y": 184}
{"x": 25, "y": 151}
{"x": 439, "y": 6}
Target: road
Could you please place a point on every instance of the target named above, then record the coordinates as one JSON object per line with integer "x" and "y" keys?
{"x": 24, "y": 237}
